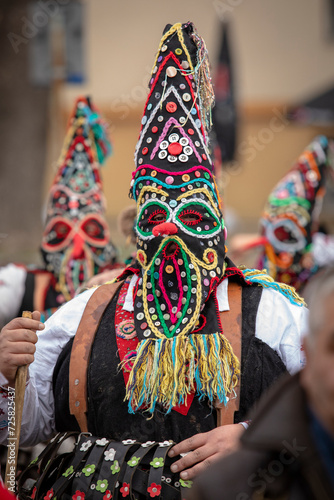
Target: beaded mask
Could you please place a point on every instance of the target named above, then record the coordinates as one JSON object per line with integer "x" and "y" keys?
{"x": 76, "y": 243}
{"x": 291, "y": 216}
{"x": 180, "y": 249}
{"x": 180, "y": 233}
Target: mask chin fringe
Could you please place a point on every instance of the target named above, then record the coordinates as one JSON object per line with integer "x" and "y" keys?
{"x": 165, "y": 371}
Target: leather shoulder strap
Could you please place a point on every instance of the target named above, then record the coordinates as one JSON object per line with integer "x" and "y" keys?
{"x": 81, "y": 350}
{"x": 232, "y": 327}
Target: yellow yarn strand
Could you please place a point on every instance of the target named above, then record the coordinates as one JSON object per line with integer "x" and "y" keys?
{"x": 176, "y": 28}
{"x": 206, "y": 193}
{"x": 217, "y": 191}
{"x": 203, "y": 263}
{"x": 150, "y": 189}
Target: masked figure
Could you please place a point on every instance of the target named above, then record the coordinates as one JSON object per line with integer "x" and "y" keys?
{"x": 76, "y": 242}
{"x": 180, "y": 229}
{"x": 166, "y": 318}
{"x": 160, "y": 358}
{"x": 291, "y": 216}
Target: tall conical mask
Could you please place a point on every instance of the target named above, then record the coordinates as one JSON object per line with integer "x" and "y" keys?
{"x": 291, "y": 215}
{"x": 180, "y": 229}
{"x": 76, "y": 242}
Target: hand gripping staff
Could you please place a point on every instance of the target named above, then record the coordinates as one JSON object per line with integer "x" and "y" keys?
{"x": 20, "y": 384}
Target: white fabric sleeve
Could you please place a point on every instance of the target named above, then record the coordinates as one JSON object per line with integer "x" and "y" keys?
{"x": 279, "y": 324}
{"x": 38, "y": 412}
{"x": 282, "y": 325}
{"x": 12, "y": 287}
{"x": 323, "y": 249}
{"x": 128, "y": 302}
{"x": 222, "y": 296}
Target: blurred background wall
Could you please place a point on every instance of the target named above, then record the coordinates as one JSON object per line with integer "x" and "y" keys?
{"x": 282, "y": 53}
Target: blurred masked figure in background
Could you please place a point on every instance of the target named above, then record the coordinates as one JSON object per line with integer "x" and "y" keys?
{"x": 76, "y": 241}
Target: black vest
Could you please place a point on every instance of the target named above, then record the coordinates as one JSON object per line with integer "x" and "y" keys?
{"x": 27, "y": 303}
{"x": 108, "y": 414}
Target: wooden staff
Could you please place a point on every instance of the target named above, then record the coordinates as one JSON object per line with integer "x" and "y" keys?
{"x": 20, "y": 385}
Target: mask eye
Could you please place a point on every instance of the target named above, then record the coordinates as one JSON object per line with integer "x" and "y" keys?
{"x": 61, "y": 230}
{"x": 197, "y": 217}
{"x": 190, "y": 217}
{"x": 151, "y": 214}
{"x": 93, "y": 229}
{"x": 57, "y": 235}
{"x": 158, "y": 216}
{"x": 284, "y": 234}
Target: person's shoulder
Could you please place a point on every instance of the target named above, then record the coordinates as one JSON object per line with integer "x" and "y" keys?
{"x": 277, "y": 298}
{"x": 280, "y": 303}
{"x": 279, "y": 294}
{"x": 263, "y": 279}
{"x": 68, "y": 316}
{"x": 77, "y": 302}
{"x": 281, "y": 316}
{"x": 13, "y": 271}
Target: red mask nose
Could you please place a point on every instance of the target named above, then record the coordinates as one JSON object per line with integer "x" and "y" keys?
{"x": 164, "y": 229}
{"x": 78, "y": 246}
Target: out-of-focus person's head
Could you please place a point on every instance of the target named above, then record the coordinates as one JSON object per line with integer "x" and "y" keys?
{"x": 126, "y": 223}
{"x": 318, "y": 375}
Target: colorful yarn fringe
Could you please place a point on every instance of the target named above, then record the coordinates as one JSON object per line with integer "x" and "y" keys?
{"x": 165, "y": 371}
{"x": 203, "y": 80}
{"x": 263, "y": 279}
